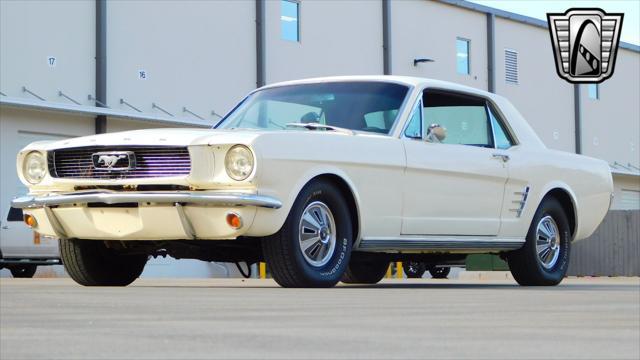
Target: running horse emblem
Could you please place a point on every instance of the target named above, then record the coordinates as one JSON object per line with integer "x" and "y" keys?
{"x": 113, "y": 160}
{"x": 110, "y": 160}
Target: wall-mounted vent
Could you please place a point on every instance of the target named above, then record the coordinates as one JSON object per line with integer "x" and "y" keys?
{"x": 511, "y": 66}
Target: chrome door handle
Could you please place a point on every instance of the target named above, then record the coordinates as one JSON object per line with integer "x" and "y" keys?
{"x": 503, "y": 157}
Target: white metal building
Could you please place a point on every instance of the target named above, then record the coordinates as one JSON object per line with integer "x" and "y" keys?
{"x": 77, "y": 67}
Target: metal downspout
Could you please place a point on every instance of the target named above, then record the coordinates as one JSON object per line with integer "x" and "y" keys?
{"x": 101, "y": 63}
{"x": 260, "y": 43}
{"x": 491, "y": 53}
{"x": 386, "y": 36}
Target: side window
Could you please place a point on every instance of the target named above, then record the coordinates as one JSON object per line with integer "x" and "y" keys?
{"x": 453, "y": 118}
{"x": 414, "y": 127}
{"x": 594, "y": 91}
{"x": 503, "y": 140}
{"x": 289, "y": 20}
{"x": 462, "y": 56}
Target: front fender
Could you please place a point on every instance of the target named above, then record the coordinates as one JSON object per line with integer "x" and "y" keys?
{"x": 269, "y": 222}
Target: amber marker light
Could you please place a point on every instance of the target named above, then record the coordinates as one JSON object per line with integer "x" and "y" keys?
{"x": 30, "y": 221}
{"x": 234, "y": 220}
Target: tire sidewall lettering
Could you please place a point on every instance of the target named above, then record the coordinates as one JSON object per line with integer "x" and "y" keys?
{"x": 341, "y": 257}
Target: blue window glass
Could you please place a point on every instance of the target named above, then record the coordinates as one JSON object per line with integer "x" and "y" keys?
{"x": 414, "y": 128}
{"x": 289, "y": 20}
{"x": 594, "y": 91}
{"x": 462, "y": 56}
{"x": 503, "y": 141}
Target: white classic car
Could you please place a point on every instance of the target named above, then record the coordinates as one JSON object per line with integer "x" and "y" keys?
{"x": 326, "y": 180}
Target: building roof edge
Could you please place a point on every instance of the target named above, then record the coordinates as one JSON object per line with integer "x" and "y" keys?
{"x": 518, "y": 17}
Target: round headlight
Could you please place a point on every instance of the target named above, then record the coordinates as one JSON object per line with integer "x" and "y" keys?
{"x": 34, "y": 167}
{"x": 239, "y": 162}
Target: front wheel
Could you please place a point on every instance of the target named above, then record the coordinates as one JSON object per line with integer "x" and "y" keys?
{"x": 313, "y": 247}
{"x": 544, "y": 258}
{"x": 23, "y": 271}
{"x": 92, "y": 263}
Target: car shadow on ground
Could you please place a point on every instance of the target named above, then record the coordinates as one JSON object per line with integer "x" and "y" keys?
{"x": 415, "y": 285}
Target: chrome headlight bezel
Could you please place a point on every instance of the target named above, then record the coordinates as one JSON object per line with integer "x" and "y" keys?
{"x": 34, "y": 167}
{"x": 239, "y": 162}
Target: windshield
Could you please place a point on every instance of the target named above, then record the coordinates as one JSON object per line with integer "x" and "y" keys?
{"x": 360, "y": 106}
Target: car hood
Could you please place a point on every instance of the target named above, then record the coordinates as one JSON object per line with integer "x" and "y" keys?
{"x": 157, "y": 137}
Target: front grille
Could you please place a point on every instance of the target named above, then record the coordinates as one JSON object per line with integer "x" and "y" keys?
{"x": 150, "y": 162}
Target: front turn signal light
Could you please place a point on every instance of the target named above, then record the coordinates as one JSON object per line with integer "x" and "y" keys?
{"x": 234, "y": 220}
{"x": 30, "y": 221}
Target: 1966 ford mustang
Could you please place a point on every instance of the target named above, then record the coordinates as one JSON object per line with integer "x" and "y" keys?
{"x": 326, "y": 180}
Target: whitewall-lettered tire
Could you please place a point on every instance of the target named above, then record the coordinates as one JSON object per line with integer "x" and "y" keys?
{"x": 544, "y": 258}
{"x": 313, "y": 247}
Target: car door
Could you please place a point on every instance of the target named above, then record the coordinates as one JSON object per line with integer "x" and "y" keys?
{"x": 453, "y": 184}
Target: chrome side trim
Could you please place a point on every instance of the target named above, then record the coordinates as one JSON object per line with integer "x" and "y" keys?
{"x": 187, "y": 197}
{"x": 522, "y": 202}
{"x": 439, "y": 243}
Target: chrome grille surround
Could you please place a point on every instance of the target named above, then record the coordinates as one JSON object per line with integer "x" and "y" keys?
{"x": 150, "y": 162}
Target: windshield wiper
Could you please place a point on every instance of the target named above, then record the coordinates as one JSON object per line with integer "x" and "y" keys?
{"x": 318, "y": 126}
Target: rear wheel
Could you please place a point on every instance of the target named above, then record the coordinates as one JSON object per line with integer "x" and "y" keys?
{"x": 414, "y": 269}
{"x": 92, "y": 263}
{"x": 365, "y": 271}
{"x": 544, "y": 258}
{"x": 440, "y": 272}
{"x": 313, "y": 247}
{"x": 23, "y": 271}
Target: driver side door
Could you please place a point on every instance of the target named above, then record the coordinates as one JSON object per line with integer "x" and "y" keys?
{"x": 453, "y": 186}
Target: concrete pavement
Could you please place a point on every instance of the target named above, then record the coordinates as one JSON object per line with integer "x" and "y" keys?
{"x": 235, "y": 319}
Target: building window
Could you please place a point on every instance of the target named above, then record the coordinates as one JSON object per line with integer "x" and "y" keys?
{"x": 289, "y": 20}
{"x": 511, "y": 66}
{"x": 462, "y": 56}
{"x": 594, "y": 91}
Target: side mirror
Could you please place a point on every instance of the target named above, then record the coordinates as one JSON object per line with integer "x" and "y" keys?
{"x": 436, "y": 133}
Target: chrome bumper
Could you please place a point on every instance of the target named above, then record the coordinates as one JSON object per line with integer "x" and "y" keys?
{"x": 176, "y": 197}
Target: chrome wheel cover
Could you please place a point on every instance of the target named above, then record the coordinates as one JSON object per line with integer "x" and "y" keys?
{"x": 317, "y": 234}
{"x": 547, "y": 242}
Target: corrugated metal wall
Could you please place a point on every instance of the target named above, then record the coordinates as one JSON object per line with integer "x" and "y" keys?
{"x": 613, "y": 250}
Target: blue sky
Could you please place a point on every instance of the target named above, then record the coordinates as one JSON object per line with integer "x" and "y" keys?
{"x": 540, "y": 8}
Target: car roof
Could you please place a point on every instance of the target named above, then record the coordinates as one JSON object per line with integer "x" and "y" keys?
{"x": 523, "y": 131}
{"x": 405, "y": 80}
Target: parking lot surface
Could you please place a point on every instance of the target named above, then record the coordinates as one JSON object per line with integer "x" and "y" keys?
{"x": 594, "y": 318}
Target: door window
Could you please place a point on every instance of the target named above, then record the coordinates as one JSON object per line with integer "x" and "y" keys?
{"x": 457, "y": 119}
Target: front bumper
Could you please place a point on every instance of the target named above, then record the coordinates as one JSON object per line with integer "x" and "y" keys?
{"x": 114, "y": 215}
{"x": 113, "y": 198}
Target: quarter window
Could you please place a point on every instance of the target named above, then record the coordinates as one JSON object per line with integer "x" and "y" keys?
{"x": 414, "y": 128}
{"x": 462, "y": 56}
{"x": 502, "y": 138}
{"x": 289, "y": 20}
